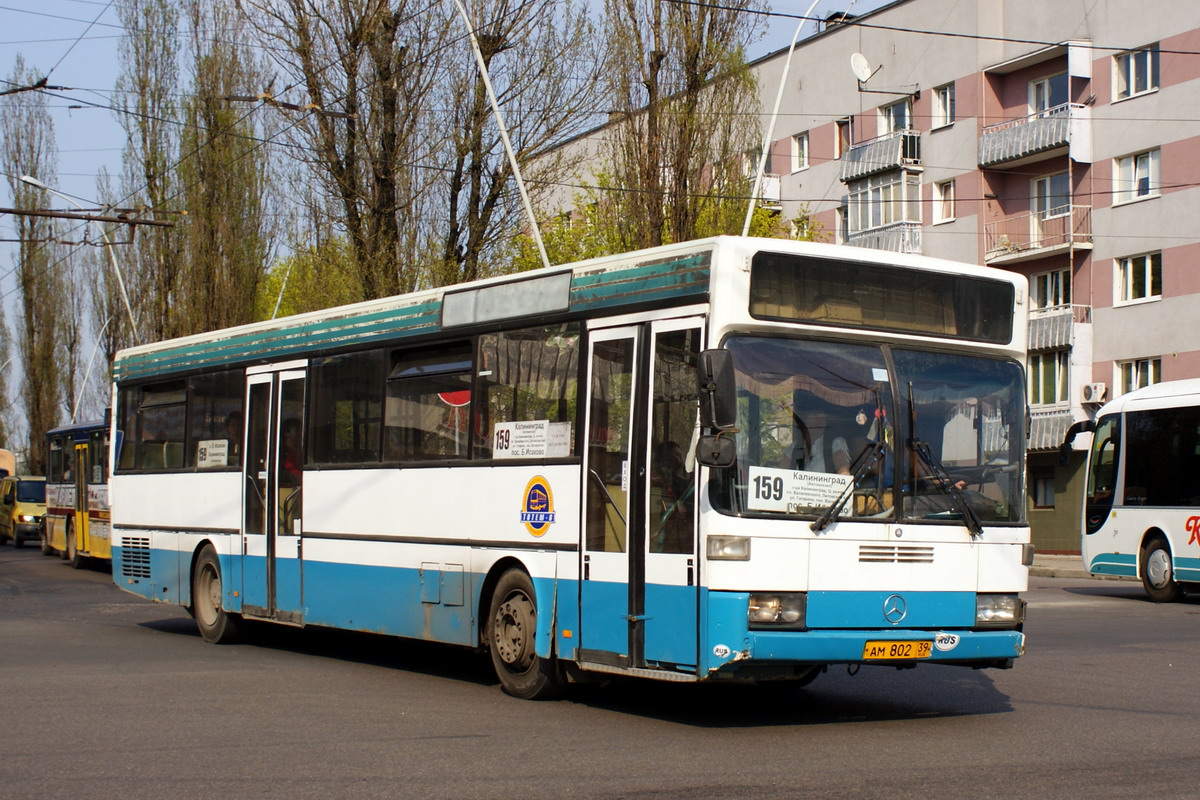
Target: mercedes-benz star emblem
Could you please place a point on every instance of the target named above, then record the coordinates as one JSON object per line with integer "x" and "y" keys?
{"x": 895, "y": 609}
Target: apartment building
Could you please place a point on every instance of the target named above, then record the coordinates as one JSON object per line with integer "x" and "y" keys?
{"x": 1058, "y": 140}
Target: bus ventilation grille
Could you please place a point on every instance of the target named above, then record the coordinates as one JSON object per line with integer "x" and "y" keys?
{"x": 894, "y": 554}
{"x": 135, "y": 557}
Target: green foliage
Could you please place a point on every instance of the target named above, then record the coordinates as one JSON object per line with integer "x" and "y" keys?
{"x": 319, "y": 277}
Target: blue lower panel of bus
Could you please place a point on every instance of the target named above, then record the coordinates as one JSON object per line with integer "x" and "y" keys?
{"x": 1187, "y": 569}
{"x": 1114, "y": 564}
{"x": 930, "y": 613}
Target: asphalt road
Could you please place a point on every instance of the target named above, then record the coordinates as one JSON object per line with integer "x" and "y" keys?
{"x": 105, "y": 695}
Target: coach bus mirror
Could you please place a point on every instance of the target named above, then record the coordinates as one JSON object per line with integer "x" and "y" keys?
{"x": 1064, "y": 449}
{"x": 718, "y": 392}
{"x": 716, "y": 451}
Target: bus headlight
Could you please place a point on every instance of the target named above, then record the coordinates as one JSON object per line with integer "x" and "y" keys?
{"x": 777, "y": 610}
{"x": 999, "y": 610}
{"x": 729, "y": 548}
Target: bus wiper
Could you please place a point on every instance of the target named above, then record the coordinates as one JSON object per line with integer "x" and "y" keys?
{"x": 835, "y": 508}
{"x": 948, "y": 486}
{"x": 943, "y": 481}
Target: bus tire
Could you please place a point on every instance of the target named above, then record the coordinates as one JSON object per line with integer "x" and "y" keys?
{"x": 1158, "y": 572}
{"x": 72, "y": 554}
{"x": 216, "y": 625}
{"x": 44, "y": 536}
{"x": 511, "y": 634}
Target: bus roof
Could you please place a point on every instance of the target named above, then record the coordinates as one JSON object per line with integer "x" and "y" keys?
{"x": 78, "y": 427}
{"x": 671, "y": 275}
{"x": 1167, "y": 393}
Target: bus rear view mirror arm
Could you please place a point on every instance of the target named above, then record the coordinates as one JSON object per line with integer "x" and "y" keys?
{"x": 718, "y": 391}
{"x": 1064, "y": 450}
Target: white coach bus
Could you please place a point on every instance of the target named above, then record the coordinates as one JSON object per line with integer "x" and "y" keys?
{"x": 1141, "y": 513}
{"x": 729, "y": 458}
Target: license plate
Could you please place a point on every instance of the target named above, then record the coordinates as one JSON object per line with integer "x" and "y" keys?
{"x": 890, "y": 651}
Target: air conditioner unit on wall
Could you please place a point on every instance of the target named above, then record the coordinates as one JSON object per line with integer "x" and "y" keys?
{"x": 1094, "y": 392}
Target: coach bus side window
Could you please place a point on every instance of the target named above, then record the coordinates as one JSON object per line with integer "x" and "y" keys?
{"x": 161, "y": 421}
{"x": 528, "y": 382}
{"x": 427, "y": 413}
{"x": 127, "y": 414}
{"x": 214, "y": 420}
{"x": 347, "y": 417}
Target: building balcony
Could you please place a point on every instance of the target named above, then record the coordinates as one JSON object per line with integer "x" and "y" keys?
{"x": 1056, "y": 131}
{"x": 888, "y": 152}
{"x": 1054, "y": 328}
{"x": 901, "y": 237}
{"x": 1044, "y": 233}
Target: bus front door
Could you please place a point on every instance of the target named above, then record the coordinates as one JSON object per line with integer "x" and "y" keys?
{"x": 272, "y": 500}
{"x": 639, "y": 572}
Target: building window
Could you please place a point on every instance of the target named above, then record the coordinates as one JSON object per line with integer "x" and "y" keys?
{"x": 895, "y": 117}
{"x": 1136, "y": 176}
{"x": 1050, "y": 196}
{"x": 1138, "y": 373}
{"x": 800, "y": 151}
{"x": 1043, "y": 490}
{"x": 1046, "y": 94}
{"x": 1050, "y": 289}
{"x": 841, "y": 225}
{"x": 943, "y": 202}
{"x": 1048, "y": 377}
{"x": 844, "y": 137}
{"x": 1139, "y": 278}
{"x": 885, "y": 199}
{"x": 1136, "y": 72}
{"x": 943, "y": 105}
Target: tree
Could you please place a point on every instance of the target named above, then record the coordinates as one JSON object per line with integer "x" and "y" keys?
{"x": 319, "y": 277}
{"x": 147, "y": 89}
{"x": 29, "y": 149}
{"x": 687, "y": 106}
{"x": 223, "y": 178}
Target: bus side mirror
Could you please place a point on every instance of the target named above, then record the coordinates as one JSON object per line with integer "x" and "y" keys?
{"x": 718, "y": 391}
{"x": 716, "y": 451}
{"x": 1064, "y": 449}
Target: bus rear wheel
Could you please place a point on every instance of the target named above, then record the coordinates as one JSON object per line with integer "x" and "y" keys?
{"x": 1158, "y": 573}
{"x": 216, "y": 625}
{"x": 72, "y": 554}
{"x": 512, "y": 625}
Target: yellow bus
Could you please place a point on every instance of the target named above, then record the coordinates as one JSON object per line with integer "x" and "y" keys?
{"x": 77, "y": 520}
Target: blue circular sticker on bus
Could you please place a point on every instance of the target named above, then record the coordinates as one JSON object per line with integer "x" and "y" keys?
{"x": 537, "y": 506}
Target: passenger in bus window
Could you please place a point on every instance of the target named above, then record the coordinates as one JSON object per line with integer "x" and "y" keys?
{"x": 293, "y": 458}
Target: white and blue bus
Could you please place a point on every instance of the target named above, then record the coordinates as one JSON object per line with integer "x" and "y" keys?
{"x": 1141, "y": 511}
{"x": 725, "y": 459}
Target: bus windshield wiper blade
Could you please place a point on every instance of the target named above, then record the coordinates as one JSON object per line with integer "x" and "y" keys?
{"x": 945, "y": 484}
{"x": 835, "y": 508}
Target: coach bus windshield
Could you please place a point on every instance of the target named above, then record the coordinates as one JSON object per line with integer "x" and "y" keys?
{"x": 835, "y": 426}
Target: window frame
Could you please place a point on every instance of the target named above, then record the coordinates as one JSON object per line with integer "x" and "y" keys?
{"x": 943, "y": 106}
{"x": 887, "y": 117}
{"x": 876, "y": 193}
{"x": 1135, "y": 369}
{"x": 1045, "y": 83}
{"x": 1057, "y": 282}
{"x": 1127, "y": 189}
{"x": 1037, "y": 198}
{"x": 1122, "y": 64}
{"x": 843, "y": 136}
{"x": 1061, "y": 371}
{"x": 800, "y": 152}
{"x": 943, "y": 199}
{"x": 1123, "y": 283}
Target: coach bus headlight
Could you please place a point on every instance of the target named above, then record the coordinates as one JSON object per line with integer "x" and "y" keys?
{"x": 777, "y": 610}
{"x": 999, "y": 610}
{"x": 729, "y": 548}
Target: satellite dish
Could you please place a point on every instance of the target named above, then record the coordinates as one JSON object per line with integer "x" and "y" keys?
{"x": 861, "y": 67}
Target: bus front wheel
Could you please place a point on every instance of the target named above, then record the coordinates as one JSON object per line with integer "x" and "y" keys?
{"x": 1158, "y": 573}
{"x": 512, "y": 625}
{"x": 216, "y": 625}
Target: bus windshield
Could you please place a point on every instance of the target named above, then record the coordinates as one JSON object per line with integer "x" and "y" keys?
{"x": 834, "y": 426}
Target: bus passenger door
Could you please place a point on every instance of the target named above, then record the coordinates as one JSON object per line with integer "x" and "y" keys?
{"x": 272, "y": 474}
{"x": 671, "y": 575}
{"x": 606, "y": 618}
{"x": 83, "y": 542}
